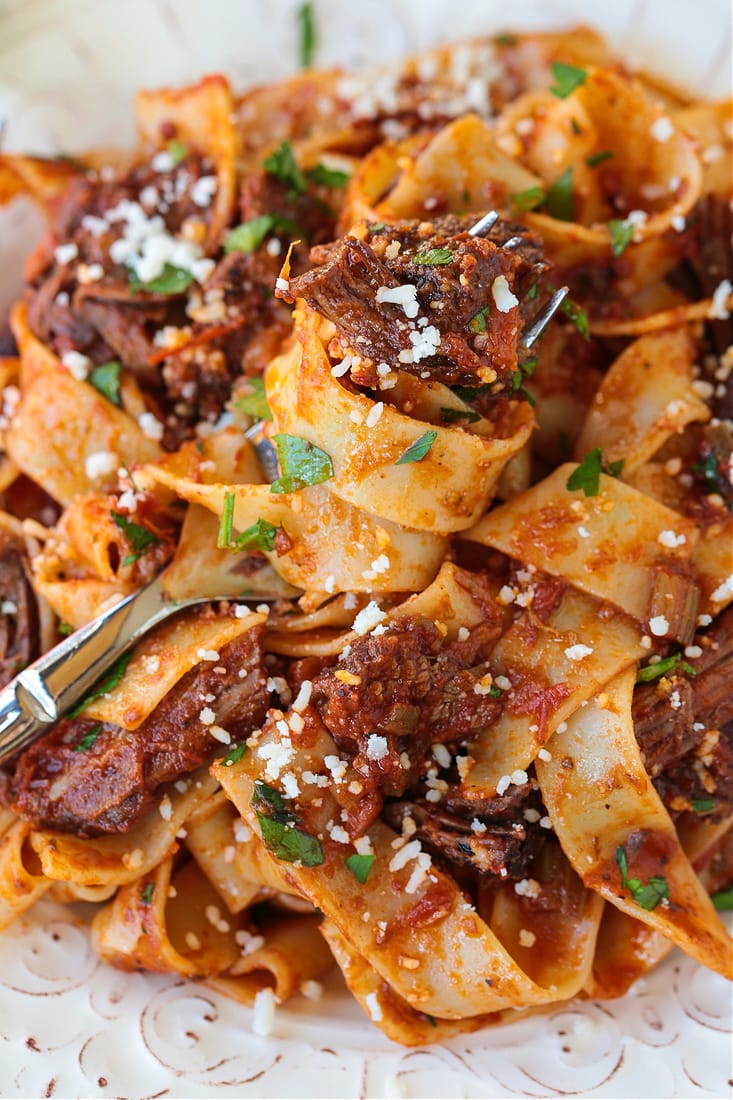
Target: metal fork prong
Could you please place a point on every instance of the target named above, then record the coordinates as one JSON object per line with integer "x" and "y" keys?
{"x": 513, "y": 242}
{"x": 483, "y": 225}
{"x": 541, "y": 320}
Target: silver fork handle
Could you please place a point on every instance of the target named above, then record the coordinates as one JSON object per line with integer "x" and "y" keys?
{"x": 45, "y": 690}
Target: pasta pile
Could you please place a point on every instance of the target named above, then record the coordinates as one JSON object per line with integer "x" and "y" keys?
{"x": 478, "y": 749}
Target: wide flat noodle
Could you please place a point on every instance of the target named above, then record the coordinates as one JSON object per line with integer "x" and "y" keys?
{"x": 607, "y": 545}
{"x": 598, "y": 752}
{"x": 21, "y": 883}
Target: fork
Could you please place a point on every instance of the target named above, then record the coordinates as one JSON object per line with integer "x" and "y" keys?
{"x": 44, "y": 691}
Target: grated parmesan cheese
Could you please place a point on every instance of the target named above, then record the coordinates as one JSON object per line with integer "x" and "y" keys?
{"x": 502, "y": 294}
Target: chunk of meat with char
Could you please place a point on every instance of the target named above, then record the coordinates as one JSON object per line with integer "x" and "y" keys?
{"x": 410, "y": 688}
{"x": 19, "y": 641}
{"x": 108, "y": 786}
{"x": 451, "y": 279}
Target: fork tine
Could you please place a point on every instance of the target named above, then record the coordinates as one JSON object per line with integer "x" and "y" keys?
{"x": 484, "y": 224}
{"x": 513, "y": 242}
{"x": 540, "y": 321}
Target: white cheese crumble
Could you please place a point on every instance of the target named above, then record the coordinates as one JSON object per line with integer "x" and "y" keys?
{"x": 207, "y": 654}
{"x": 424, "y": 344}
{"x": 282, "y": 285}
{"x": 441, "y": 754}
{"x": 661, "y": 129}
{"x": 7, "y": 607}
{"x": 723, "y": 591}
{"x": 377, "y": 747}
{"x": 65, "y": 253}
{"x": 503, "y": 682}
{"x": 339, "y": 834}
{"x": 207, "y": 716}
{"x": 77, "y": 364}
{"x": 405, "y": 296}
{"x": 502, "y": 294}
{"x": 478, "y": 826}
{"x": 526, "y": 939}
{"x": 338, "y": 370}
{"x": 373, "y": 1007}
{"x": 203, "y": 190}
{"x": 263, "y": 1013}
{"x": 578, "y": 652}
{"x": 528, "y": 888}
{"x": 363, "y": 846}
{"x": 718, "y": 309}
{"x": 658, "y": 626}
{"x": 543, "y": 754}
{"x": 100, "y": 464}
{"x": 302, "y": 699}
{"x": 165, "y": 808}
{"x": 150, "y": 426}
{"x": 409, "y": 851}
{"x": 671, "y": 539}
{"x": 369, "y": 617}
{"x": 374, "y": 414}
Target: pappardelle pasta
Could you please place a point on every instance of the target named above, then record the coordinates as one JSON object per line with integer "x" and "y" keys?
{"x": 478, "y": 751}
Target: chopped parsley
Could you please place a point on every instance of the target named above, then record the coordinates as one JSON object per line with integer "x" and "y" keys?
{"x": 451, "y": 415}
{"x": 248, "y": 236}
{"x": 621, "y": 234}
{"x": 702, "y": 805}
{"x": 323, "y": 176}
{"x": 433, "y": 257}
{"x": 577, "y": 315}
{"x": 647, "y": 895}
{"x": 106, "y": 683}
{"x": 255, "y": 403}
{"x": 587, "y": 476}
{"x": 148, "y": 891}
{"x": 529, "y": 199}
{"x": 524, "y": 370}
{"x": 376, "y": 227}
{"x": 278, "y": 825}
{"x": 301, "y": 463}
{"x": 661, "y": 668}
{"x": 567, "y": 78}
{"x": 89, "y": 738}
{"x": 139, "y": 537}
{"x": 106, "y": 379}
{"x": 418, "y": 450}
{"x": 467, "y": 393}
{"x": 478, "y": 321}
{"x": 283, "y": 166}
{"x": 172, "y": 280}
{"x": 723, "y": 899}
{"x": 307, "y": 32}
{"x": 177, "y": 150}
{"x": 598, "y": 158}
{"x": 559, "y": 202}
{"x": 233, "y": 756}
{"x": 65, "y": 628}
{"x": 260, "y": 536}
{"x": 505, "y": 40}
{"x": 708, "y": 469}
{"x": 360, "y": 866}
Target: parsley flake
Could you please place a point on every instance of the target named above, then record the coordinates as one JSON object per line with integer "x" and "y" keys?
{"x": 65, "y": 628}
{"x": 621, "y": 234}
{"x": 478, "y": 321}
{"x": 106, "y": 683}
{"x": 360, "y": 866}
{"x": 248, "y": 236}
{"x": 647, "y": 895}
{"x": 323, "y": 176}
{"x": 283, "y": 166}
{"x": 661, "y": 668}
{"x": 307, "y": 31}
{"x": 417, "y": 451}
{"x": 524, "y": 370}
{"x": 587, "y": 476}
{"x": 505, "y": 39}
{"x": 529, "y": 199}
{"x": 451, "y": 415}
{"x": 598, "y": 158}
{"x": 106, "y": 379}
{"x": 577, "y": 315}
{"x": 301, "y": 463}
{"x": 172, "y": 280}
{"x": 148, "y": 891}
{"x": 89, "y": 738}
{"x": 723, "y": 899}
{"x": 255, "y": 402}
{"x": 233, "y": 756}
{"x": 177, "y": 150}
{"x": 560, "y": 203}
{"x": 433, "y": 257}
{"x": 139, "y": 537}
{"x": 280, "y": 834}
{"x": 260, "y": 536}
{"x": 702, "y": 805}
{"x": 567, "y": 78}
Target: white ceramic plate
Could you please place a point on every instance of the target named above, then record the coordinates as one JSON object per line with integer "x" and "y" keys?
{"x": 71, "y": 1026}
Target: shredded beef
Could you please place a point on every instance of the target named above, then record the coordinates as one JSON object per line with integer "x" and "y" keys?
{"x": 106, "y": 787}
{"x": 451, "y": 296}
{"x": 501, "y": 847}
{"x": 410, "y": 687}
{"x": 19, "y": 641}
